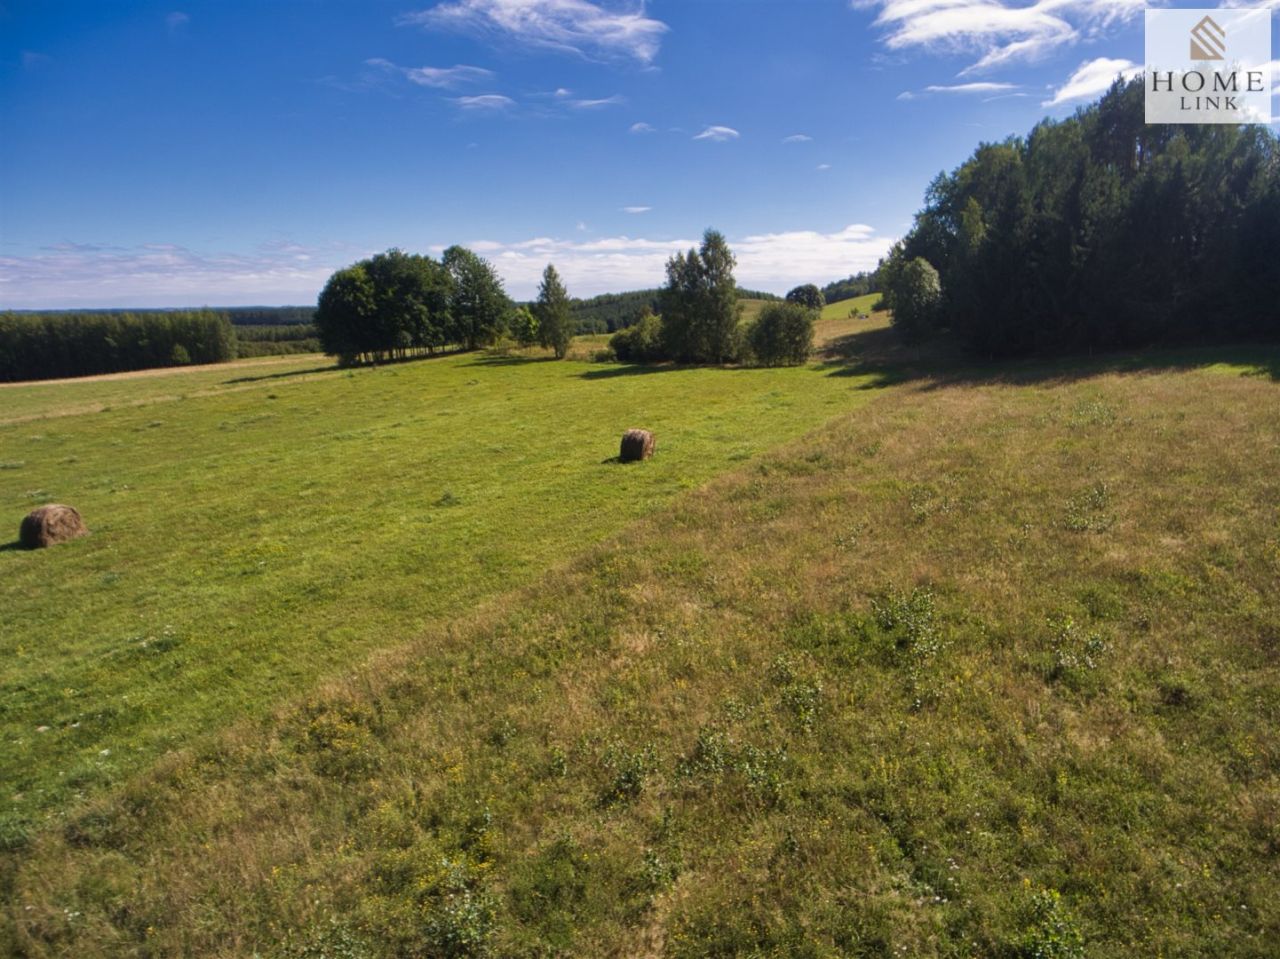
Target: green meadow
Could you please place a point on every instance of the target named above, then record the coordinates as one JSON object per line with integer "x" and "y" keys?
{"x": 887, "y": 655}
{"x": 258, "y": 527}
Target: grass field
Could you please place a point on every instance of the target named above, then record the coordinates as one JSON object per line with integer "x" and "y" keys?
{"x": 278, "y": 523}
{"x": 987, "y": 666}
{"x": 843, "y": 308}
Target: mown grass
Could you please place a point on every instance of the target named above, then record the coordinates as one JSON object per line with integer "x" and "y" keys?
{"x": 987, "y": 668}
{"x": 21, "y": 402}
{"x": 246, "y": 543}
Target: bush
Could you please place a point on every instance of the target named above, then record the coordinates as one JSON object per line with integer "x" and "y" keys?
{"x": 914, "y": 295}
{"x": 641, "y": 343}
{"x": 783, "y": 335}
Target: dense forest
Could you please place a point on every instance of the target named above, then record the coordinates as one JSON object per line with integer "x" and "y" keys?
{"x": 50, "y": 345}
{"x": 276, "y": 339}
{"x": 270, "y": 315}
{"x": 1098, "y": 232}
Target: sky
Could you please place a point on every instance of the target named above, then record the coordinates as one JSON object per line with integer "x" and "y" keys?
{"x": 235, "y": 152}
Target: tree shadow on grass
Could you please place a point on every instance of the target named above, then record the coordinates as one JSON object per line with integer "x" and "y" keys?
{"x": 281, "y": 376}
{"x": 509, "y": 359}
{"x": 631, "y": 369}
{"x": 886, "y": 360}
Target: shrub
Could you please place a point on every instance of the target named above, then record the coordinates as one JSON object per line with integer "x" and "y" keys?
{"x": 912, "y": 293}
{"x": 641, "y": 343}
{"x": 783, "y": 335}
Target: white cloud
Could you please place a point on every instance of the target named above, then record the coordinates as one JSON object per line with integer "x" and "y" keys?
{"x": 997, "y": 31}
{"x": 636, "y": 209}
{"x": 770, "y": 261}
{"x": 797, "y": 138}
{"x": 1093, "y": 77}
{"x": 445, "y": 78}
{"x": 486, "y": 101}
{"x": 591, "y": 30}
{"x": 562, "y": 92}
{"x": 176, "y": 20}
{"x": 614, "y": 100}
{"x": 158, "y": 274}
{"x": 960, "y": 88}
{"x": 718, "y": 134}
{"x": 642, "y": 128}
{"x": 824, "y": 166}
{"x": 1274, "y": 67}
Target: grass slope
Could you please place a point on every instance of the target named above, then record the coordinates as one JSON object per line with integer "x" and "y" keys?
{"x": 842, "y": 308}
{"x": 989, "y": 668}
{"x": 278, "y": 523}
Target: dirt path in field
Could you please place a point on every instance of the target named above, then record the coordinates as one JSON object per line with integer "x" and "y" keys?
{"x": 168, "y": 370}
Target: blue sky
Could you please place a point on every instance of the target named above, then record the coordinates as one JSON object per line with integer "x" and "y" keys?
{"x": 231, "y": 152}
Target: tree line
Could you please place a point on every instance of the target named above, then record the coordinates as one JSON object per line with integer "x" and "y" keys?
{"x": 1098, "y": 232}
{"x": 54, "y": 345}
{"x": 859, "y": 284}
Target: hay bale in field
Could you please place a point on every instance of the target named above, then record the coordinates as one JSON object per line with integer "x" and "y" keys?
{"x": 49, "y": 525}
{"x": 636, "y": 445}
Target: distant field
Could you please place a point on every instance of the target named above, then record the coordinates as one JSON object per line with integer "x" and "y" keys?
{"x": 259, "y": 525}
{"x": 842, "y": 309}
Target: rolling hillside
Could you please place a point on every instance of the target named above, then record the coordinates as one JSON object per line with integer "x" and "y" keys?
{"x": 984, "y": 666}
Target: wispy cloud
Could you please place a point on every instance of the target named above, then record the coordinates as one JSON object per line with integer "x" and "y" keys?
{"x": 443, "y": 78}
{"x": 485, "y": 101}
{"x": 797, "y": 138}
{"x": 998, "y": 32}
{"x": 176, "y": 20}
{"x": 823, "y": 166}
{"x": 718, "y": 134}
{"x": 164, "y": 274}
{"x": 614, "y": 100}
{"x": 161, "y": 274}
{"x": 1092, "y": 78}
{"x": 958, "y": 88}
{"x": 636, "y": 209}
{"x": 593, "y": 31}
{"x": 31, "y": 59}
{"x": 642, "y": 128}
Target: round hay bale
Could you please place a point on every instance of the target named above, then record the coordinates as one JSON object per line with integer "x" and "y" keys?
{"x": 636, "y": 445}
{"x": 49, "y": 525}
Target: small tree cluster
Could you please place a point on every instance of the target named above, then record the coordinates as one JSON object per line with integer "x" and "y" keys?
{"x": 699, "y": 304}
{"x": 399, "y": 304}
{"x": 808, "y": 296}
{"x": 782, "y": 335}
